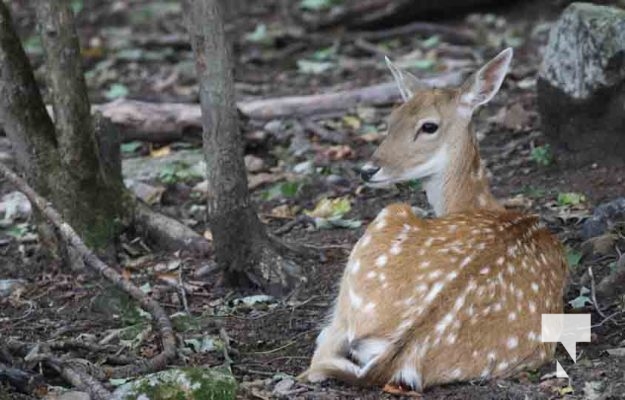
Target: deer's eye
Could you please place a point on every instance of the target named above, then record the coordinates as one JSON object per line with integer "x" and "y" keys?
{"x": 429, "y": 127}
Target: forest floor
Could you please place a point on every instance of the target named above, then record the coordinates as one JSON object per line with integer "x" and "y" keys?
{"x": 132, "y": 49}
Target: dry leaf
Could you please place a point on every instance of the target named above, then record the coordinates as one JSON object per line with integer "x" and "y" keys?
{"x": 256, "y": 180}
{"x": 518, "y": 201}
{"x": 601, "y": 245}
{"x": 339, "y": 152}
{"x": 284, "y": 211}
{"x": 208, "y": 235}
{"x": 163, "y": 151}
{"x": 371, "y": 137}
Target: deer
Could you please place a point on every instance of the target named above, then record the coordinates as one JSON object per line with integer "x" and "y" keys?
{"x": 457, "y": 297}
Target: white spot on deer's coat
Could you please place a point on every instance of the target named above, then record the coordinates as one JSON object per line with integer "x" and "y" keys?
{"x": 395, "y": 249}
{"x": 500, "y": 261}
{"x": 436, "y": 288}
{"x": 532, "y": 307}
{"x": 535, "y": 287}
{"x": 512, "y": 342}
{"x": 465, "y": 262}
{"x": 371, "y": 274}
{"x": 502, "y": 365}
{"x": 355, "y": 300}
{"x": 484, "y": 270}
{"x": 424, "y": 264}
{"x": 512, "y": 316}
{"x": 434, "y": 274}
{"x": 381, "y": 260}
{"x": 369, "y": 307}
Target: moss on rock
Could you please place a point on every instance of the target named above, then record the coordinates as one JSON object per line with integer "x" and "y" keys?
{"x": 193, "y": 383}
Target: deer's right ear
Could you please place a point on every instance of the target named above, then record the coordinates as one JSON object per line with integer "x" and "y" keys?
{"x": 482, "y": 86}
{"x": 406, "y": 82}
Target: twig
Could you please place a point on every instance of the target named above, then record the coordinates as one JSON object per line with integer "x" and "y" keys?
{"x": 183, "y": 292}
{"x": 456, "y": 35}
{"x": 24, "y": 381}
{"x": 286, "y": 228}
{"x": 593, "y": 293}
{"x": 226, "y": 339}
{"x": 79, "y": 379}
{"x": 161, "y": 319}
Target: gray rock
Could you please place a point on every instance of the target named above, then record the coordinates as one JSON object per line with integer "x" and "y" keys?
{"x": 586, "y": 50}
{"x": 603, "y": 217}
{"x": 283, "y": 387}
{"x": 581, "y": 85}
{"x": 181, "y": 383}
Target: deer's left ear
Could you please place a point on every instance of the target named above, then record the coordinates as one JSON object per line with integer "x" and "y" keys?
{"x": 406, "y": 82}
{"x": 482, "y": 86}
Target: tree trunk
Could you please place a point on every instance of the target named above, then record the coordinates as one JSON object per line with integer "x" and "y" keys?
{"x": 242, "y": 247}
{"x": 62, "y": 163}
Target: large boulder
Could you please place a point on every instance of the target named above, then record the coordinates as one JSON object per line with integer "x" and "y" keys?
{"x": 581, "y": 84}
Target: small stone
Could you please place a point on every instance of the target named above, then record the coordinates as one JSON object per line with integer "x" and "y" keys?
{"x": 581, "y": 85}
{"x": 603, "y": 217}
{"x": 283, "y": 387}
{"x": 254, "y": 164}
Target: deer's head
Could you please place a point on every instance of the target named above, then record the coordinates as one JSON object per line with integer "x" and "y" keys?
{"x": 424, "y": 130}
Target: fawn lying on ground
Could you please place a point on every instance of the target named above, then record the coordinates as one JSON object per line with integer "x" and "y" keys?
{"x": 454, "y": 298}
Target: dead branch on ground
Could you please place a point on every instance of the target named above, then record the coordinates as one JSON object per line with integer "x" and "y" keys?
{"x": 162, "y": 122}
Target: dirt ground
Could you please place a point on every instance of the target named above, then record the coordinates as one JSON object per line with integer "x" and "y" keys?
{"x": 271, "y": 341}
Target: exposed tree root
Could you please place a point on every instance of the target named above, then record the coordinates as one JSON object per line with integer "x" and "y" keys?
{"x": 161, "y": 319}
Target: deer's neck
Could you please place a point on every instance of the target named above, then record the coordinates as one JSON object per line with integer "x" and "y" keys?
{"x": 462, "y": 185}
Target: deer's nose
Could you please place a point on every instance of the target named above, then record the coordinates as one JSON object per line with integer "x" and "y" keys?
{"x": 367, "y": 171}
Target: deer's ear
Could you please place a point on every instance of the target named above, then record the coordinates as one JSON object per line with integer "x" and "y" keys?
{"x": 406, "y": 82}
{"x": 482, "y": 86}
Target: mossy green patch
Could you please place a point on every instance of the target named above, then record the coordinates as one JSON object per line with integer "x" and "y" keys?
{"x": 191, "y": 383}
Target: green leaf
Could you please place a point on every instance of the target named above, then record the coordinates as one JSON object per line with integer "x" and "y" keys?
{"x": 282, "y": 190}
{"x": 573, "y": 257}
{"x": 330, "y": 208}
{"x": 77, "y": 6}
{"x": 17, "y": 231}
{"x": 131, "y": 147}
{"x": 431, "y": 42}
{"x": 260, "y": 35}
{"x": 324, "y": 54}
{"x": 313, "y": 67}
{"x": 542, "y": 155}
{"x": 580, "y": 302}
{"x": 118, "y": 381}
{"x": 317, "y": 5}
{"x": 116, "y": 91}
{"x": 570, "y": 199}
{"x": 423, "y": 64}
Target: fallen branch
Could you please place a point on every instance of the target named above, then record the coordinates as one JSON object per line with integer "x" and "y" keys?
{"x": 168, "y": 233}
{"x": 161, "y": 319}
{"x": 23, "y": 381}
{"x": 79, "y": 379}
{"x": 447, "y": 33}
{"x": 162, "y": 122}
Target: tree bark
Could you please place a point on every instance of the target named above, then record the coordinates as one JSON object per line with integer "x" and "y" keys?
{"x": 242, "y": 248}
{"x": 97, "y": 214}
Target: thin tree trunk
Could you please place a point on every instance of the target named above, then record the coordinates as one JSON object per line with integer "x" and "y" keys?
{"x": 242, "y": 248}
{"x": 22, "y": 112}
